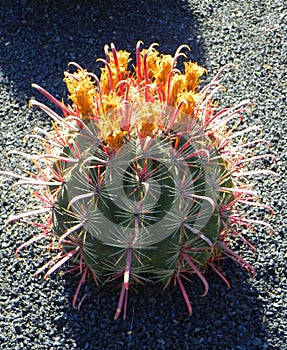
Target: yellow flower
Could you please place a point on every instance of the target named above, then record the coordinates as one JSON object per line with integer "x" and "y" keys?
{"x": 109, "y": 117}
{"x": 189, "y": 97}
{"x": 163, "y": 66}
{"x": 110, "y": 102}
{"x": 151, "y": 56}
{"x": 133, "y": 103}
{"x": 147, "y": 129}
{"x": 192, "y": 74}
{"x": 82, "y": 92}
{"x": 176, "y": 89}
{"x": 116, "y": 71}
{"x": 116, "y": 140}
{"x": 149, "y": 119}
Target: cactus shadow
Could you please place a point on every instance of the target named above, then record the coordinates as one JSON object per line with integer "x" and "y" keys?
{"x": 41, "y": 37}
{"x": 224, "y": 319}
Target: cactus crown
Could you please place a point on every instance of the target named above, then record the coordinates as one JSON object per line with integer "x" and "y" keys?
{"x": 142, "y": 176}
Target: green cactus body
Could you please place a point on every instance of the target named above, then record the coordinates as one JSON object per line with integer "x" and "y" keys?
{"x": 107, "y": 228}
{"x": 141, "y": 174}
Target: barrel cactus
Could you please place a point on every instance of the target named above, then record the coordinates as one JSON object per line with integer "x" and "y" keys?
{"x": 143, "y": 175}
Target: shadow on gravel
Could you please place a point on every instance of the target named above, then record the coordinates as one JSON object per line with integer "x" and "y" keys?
{"x": 224, "y": 319}
{"x": 38, "y": 39}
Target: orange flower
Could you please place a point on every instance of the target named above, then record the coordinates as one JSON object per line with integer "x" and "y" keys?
{"x": 115, "y": 70}
{"x": 133, "y": 101}
{"x": 192, "y": 74}
{"x": 82, "y": 92}
{"x": 115, "y": 141}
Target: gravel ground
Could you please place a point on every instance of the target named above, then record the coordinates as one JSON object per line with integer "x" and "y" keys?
{"x": 37, "y": 40}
